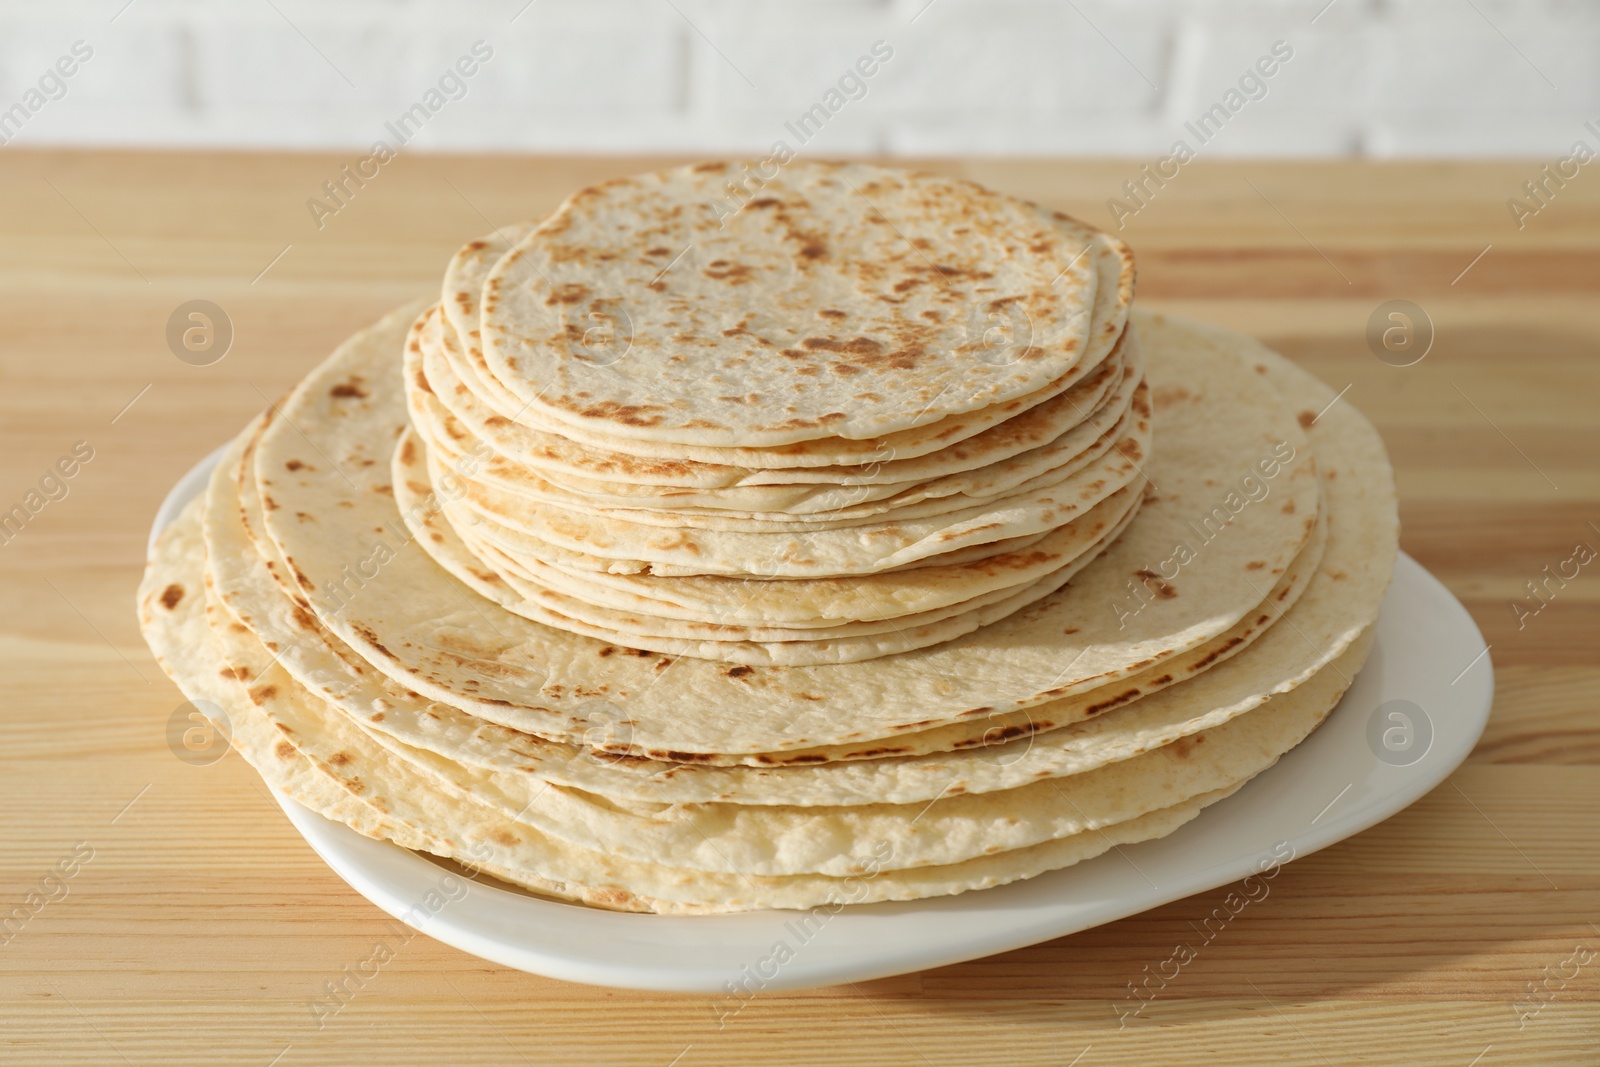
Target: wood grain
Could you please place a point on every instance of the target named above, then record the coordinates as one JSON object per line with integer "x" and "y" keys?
{"x": 203, "y": 925}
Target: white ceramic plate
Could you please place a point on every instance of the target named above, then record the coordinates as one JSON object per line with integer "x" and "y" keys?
{"x": 1420, "y": 704}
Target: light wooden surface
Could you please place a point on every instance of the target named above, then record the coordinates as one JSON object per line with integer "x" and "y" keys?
{"x": 203, "y": 925}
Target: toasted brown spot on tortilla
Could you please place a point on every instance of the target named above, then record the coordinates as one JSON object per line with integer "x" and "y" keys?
{"x": 1183, "y": 746}
{"x": 171, "y": 595}
{"x": 1113, "y": 702}
{"x": 572, "y": 293}
{"x": 1156, "y": 584}
{"x": 1216, "y": 653}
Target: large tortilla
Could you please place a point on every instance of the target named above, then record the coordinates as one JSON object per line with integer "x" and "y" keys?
{"x": 382, "y": 797}
{"x": 417, "y": 624}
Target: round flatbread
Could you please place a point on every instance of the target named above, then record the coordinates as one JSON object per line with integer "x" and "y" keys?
{"x": 1236, "y": 478}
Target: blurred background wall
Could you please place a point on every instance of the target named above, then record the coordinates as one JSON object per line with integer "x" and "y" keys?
{"x": 1017, "y": 77}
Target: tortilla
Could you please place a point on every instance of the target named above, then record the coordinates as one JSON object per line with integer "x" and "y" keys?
{"x": 394, "y": 803}
{"x": 1224, "y": 422}
{"x": 808, "y": 317}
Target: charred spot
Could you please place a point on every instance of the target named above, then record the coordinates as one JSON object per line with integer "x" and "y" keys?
{"x": 627, "y": 414}
{"x": 1165, "y": 679}
{"x": 1216, "y": 653}
{"x": 341, "y": 759}
{"x": 1306, "y": 418}
{"x": 723, "y": 271}
{"x": 354, "y": 388}
{"x": 1156, "y": 584}
{"x": 261, "y": 694}
{"x": 1114, "y": 702}
{"x": 874, "y": 753}
{"x": 171, "y": 595}
{"x": 680, "y": 757}
{"x": 1183, "y": 746}
{"x": 1167, "y": 395}
{"x": 284, "y": 750}
{"x": 372, "y": 640}
{"x": 572, "y": 293}
{"x": 856, "y": 346}
{"x": 608, "y": 650}
{"x": 294, "y": 465}
{"x": 739, "y": 671}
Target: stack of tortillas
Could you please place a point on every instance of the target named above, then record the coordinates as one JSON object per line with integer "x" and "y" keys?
{"x": 810, "y": 442}
{"x": 853, "y": 542}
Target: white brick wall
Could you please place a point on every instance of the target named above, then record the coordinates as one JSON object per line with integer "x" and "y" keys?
{"x": 1380, "y": 77}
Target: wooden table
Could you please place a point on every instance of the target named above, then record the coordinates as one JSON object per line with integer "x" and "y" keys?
{"x": 1462, "y": 931}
